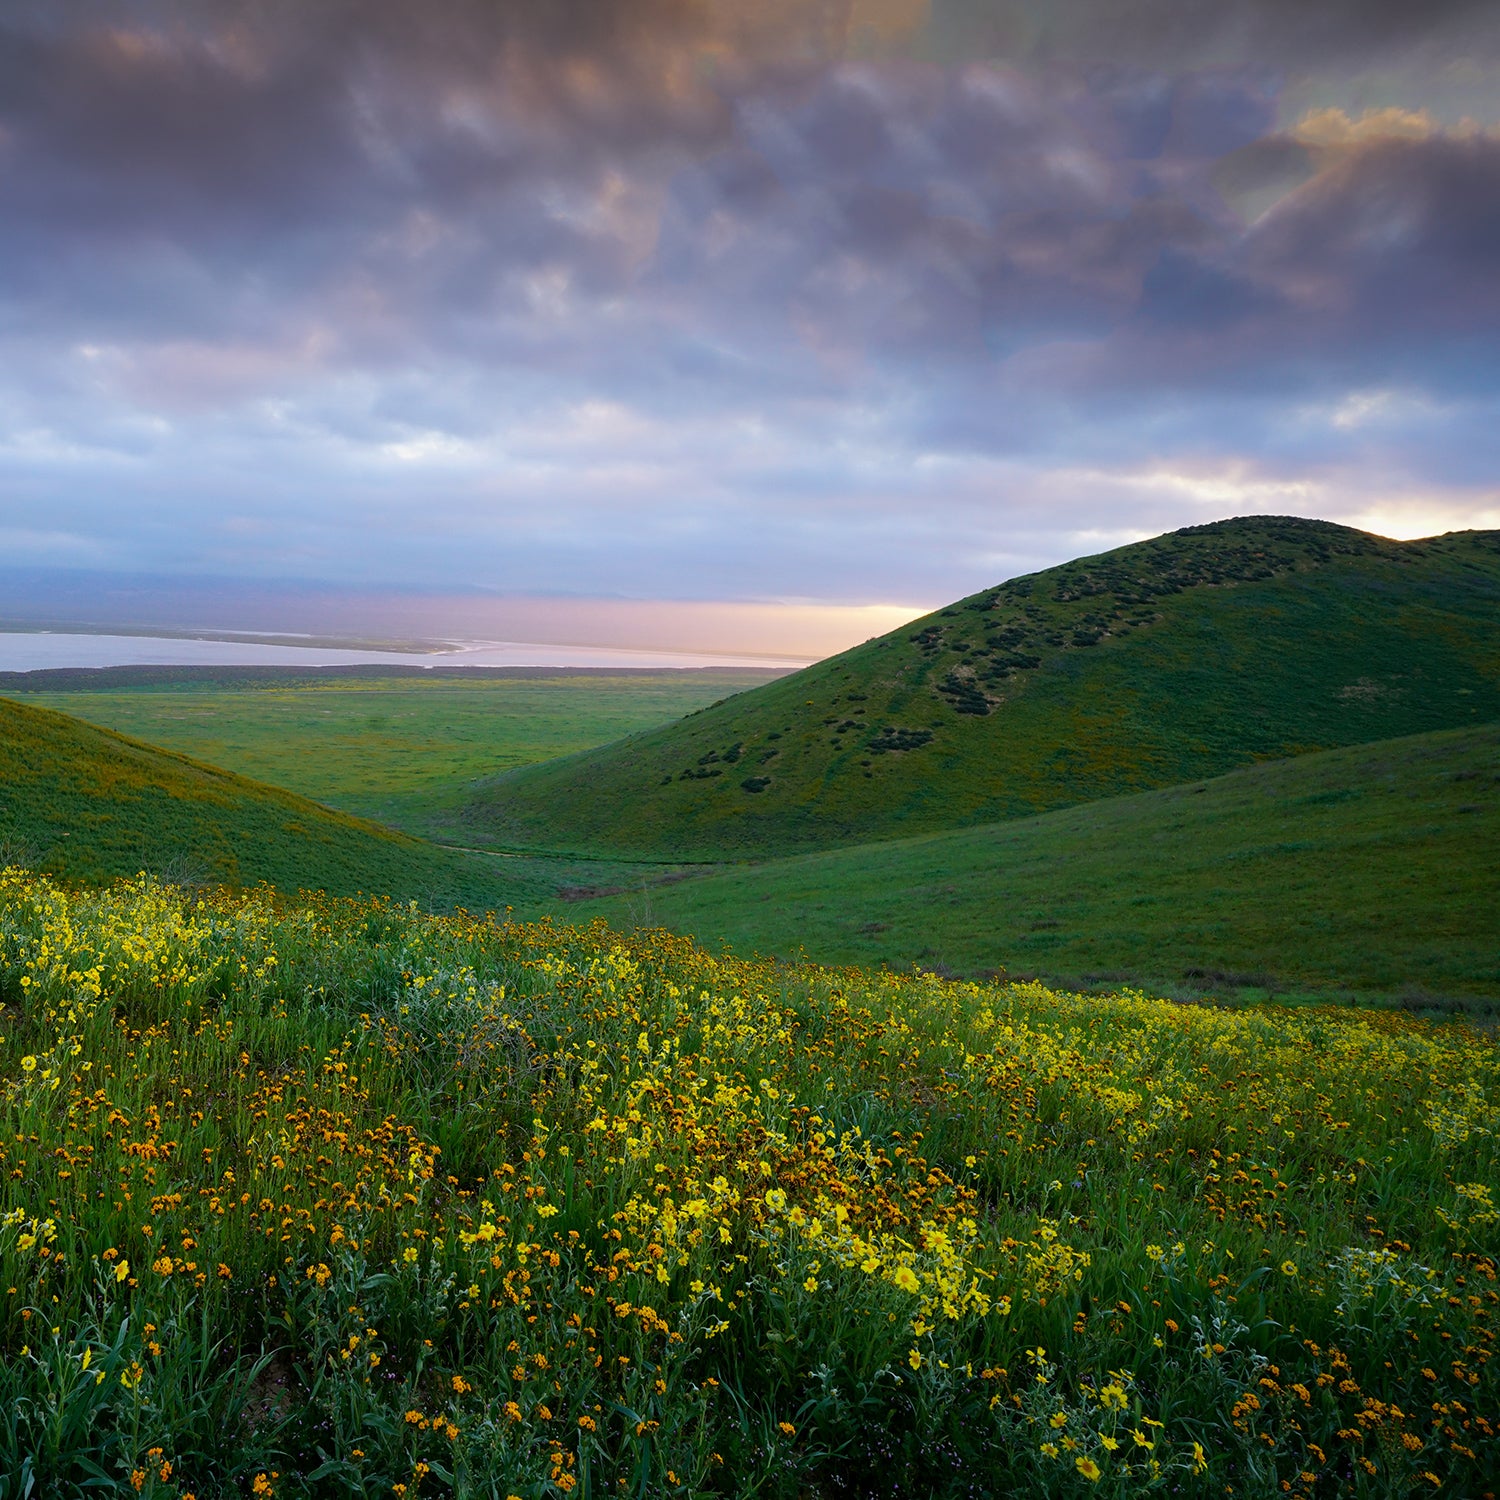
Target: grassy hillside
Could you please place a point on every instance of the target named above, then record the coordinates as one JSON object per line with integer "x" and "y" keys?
{"x": 331, "y": 1201}
{"x": 402, "y": 748}
{"x": 90, "y": 804}
{"x": 1161, "y": 662}
{"x": 1373, "y": 869}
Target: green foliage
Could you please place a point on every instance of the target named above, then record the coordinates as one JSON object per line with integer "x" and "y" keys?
{"x": 1373, "y": 869}
{"x": 1156, "y": 664}
{"x": 328, "y": 1199}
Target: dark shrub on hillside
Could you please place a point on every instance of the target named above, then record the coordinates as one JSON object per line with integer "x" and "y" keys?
{"x": 963, "y": 694}
{"x": 892, "y": 738}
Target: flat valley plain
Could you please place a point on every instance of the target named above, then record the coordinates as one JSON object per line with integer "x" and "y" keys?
{"x": 402, "y": 750}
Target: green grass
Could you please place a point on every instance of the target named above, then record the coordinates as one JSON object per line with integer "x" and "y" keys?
{"x": 90, "y": 804}
{"x": 1156, "y": 664}
{"x": 402, "y": 750}
{"x": 1373, "y": 870}
{"x": 333, "y": 1201}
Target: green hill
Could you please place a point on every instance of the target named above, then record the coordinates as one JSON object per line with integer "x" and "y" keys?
{"x": 449, "y": 1209}
{"x": 90, "y": 804}
{"x": 1158, "y": 663}
{"x": 1373, "y": 869}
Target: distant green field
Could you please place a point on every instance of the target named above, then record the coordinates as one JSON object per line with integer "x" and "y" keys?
{"x": 400, "y": 750}
{"x": 90, "y": 805}
{"x": 1373, "y": 870}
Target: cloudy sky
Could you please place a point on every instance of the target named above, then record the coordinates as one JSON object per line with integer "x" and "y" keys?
{"x": 819, "y": 310}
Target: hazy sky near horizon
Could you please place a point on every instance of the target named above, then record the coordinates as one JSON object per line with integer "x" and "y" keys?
{"x": 844, "y": 302}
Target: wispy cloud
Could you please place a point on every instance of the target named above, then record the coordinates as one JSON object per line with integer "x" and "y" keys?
{"x": 863, "y": 303}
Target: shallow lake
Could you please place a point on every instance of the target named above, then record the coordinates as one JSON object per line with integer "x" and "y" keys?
{"x": 30, "y": 651}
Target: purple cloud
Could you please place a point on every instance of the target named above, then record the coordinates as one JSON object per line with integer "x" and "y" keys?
{"x": 653, "y": 299}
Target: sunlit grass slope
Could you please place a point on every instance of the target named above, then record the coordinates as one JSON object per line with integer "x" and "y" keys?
{"x": 1371, "y": 869}
{"x": 90, "y": 804}
{"x": 333, "y": 1200}
{"x": 404, "y": 750}
{"x": 1164, "y": 661}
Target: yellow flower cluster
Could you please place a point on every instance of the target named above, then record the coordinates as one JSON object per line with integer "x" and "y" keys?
{"x": 550, "y": 1206}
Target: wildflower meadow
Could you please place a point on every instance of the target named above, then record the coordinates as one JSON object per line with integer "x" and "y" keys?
{"x": 316, "y": 1197}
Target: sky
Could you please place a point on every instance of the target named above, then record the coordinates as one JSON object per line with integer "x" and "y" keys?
{"x": 767, "y": 323}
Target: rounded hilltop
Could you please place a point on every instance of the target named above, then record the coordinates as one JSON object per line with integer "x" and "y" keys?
{"x": 1156, "y": 663}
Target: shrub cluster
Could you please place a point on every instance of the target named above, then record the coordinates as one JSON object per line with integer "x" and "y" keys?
{"x": 893, "y": 737}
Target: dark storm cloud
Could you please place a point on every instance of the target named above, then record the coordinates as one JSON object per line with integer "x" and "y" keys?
{"x": 562, "y": 293}
{"x": 1186, "y": 34}
{"x": 1403, "y": 235}
{"x": 268, "y": 156}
